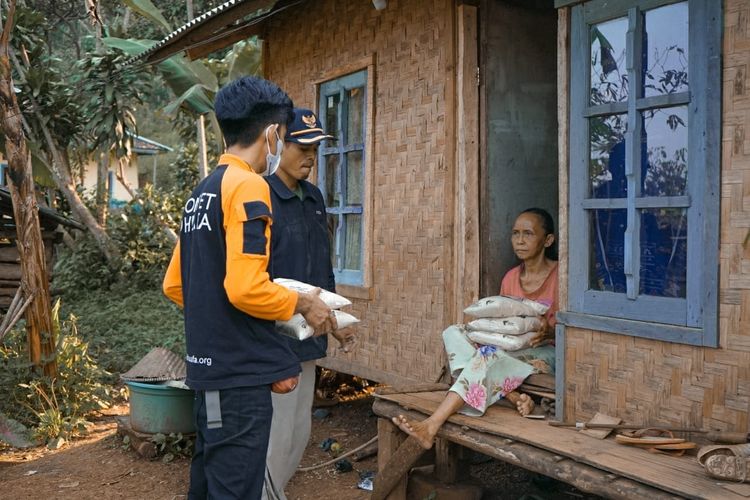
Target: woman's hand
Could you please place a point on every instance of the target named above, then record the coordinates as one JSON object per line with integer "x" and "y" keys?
{"x": 545, "y": 334}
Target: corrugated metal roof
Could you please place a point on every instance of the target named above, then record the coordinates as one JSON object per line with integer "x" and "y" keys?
{"x": 225, "y": 9}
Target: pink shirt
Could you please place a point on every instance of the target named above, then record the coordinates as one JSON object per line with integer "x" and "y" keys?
{"x": 546, "y": 294}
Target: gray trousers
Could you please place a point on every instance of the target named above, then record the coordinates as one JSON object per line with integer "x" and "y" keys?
{"x": 290, "y": 432}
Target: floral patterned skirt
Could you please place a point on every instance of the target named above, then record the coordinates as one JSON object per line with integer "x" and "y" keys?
{"x": 484, "y": 374}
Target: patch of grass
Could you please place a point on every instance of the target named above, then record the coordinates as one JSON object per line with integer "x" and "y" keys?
{"x": 122, "y": 324}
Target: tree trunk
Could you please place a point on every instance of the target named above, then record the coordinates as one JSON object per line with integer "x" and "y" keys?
{"x": 102, "y": 191}
{"x": 59, "y": 167}
{"x": 61, "y": 174}
{"x": 25, "y": 210}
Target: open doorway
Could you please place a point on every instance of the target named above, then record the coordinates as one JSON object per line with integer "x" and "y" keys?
{"x": 518, "y": 106}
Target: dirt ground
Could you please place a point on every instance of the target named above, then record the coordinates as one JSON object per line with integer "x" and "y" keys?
{"x": 101, "y": 467}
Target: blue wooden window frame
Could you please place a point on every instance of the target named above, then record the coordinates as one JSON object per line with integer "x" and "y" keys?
{"x": 694, "y": 319}
{"x": 340, "y": 87}
{"x": 3, "y": 173}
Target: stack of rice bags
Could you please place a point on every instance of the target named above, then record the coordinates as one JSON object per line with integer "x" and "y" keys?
{"x": 505, "y": 322}
{"x": 297, "y": 326}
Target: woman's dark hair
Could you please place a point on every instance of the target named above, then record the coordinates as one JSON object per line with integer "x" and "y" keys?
{"x": 548, "y": 224}
{"x": 246, "y": 106}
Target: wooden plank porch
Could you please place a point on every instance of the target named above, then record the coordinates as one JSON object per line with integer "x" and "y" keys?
{"x": 602, "y": 467}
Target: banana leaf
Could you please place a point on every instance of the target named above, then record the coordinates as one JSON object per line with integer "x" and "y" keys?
{"x": 194, "y": 95}
{"x": 245, "y": 59}
{"x": 179, "y": 74}
{"x": 149, "y": 11}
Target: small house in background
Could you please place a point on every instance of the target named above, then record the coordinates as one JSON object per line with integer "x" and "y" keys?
{"x": 142, "y": 147}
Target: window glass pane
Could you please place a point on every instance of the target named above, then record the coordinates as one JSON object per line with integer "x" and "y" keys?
{"x": 353, "y": 251}
{"x": 333, "y": 225}
{"x": 607, "y": 239}
{"x": 607, "y": 159}
{"x": 354, "y": 178}
{"x": 332, "y": 186}
{"x": 355, "y": 116}
{"x": 665, "y": 135}
{"x": 609, "y": 74}
{"x": 331, "y": 125}
{"x": 664, "y": 252}
{"x": 665, "y": 46}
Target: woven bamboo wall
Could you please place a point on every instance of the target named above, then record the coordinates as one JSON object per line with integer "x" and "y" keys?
{"x": 402, "y": 321}
{"x": 645, "y": 381}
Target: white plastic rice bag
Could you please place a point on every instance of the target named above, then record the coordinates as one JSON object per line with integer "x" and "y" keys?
{"x": 332, "y": 300}
{"x": 297, "y": 326}
{"x": 504, "y": 342}
{"x": 514, "y": 325}
{"x": 500, "y": 306}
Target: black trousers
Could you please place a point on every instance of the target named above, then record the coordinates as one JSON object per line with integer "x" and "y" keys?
{"x": 230, "y": 462}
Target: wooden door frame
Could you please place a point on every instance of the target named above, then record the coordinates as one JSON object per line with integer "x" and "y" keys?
{"x": 466, "y": 250}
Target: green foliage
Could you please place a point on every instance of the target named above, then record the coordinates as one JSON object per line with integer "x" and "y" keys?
{"x": 187, "y": 175}
{"x": 111, "y": 93}
{"x": 174, "y": 11}
{"x": 148, "y": 10}
{"x": 43, "y": 81}
{"x": 123, "y": 324}
{"x": 172, "y": 445}
{"x": 180, "y": 74}
{"x": 144, "y": 248}
{"x": 54, "y": 407}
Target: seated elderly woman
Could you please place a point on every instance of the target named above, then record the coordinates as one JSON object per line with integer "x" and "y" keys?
{"x": 485, "y": 374}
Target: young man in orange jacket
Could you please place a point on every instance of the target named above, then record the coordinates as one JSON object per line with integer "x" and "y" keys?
{"x": 218, "y": 274}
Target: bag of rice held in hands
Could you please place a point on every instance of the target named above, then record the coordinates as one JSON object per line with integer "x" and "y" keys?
{"x": 332, "y": 300}
{"x": 504, "y": 342}
{"x": 297, "y": 326}
{"x": 500, "y": 306}
{"x": 515, "y": 325}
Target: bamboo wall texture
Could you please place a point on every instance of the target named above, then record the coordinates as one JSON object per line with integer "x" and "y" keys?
{"x": 402, "y": 321}
{"x": 645, "y": 381}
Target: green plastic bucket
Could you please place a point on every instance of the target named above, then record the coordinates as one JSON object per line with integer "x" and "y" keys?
{"x": 159, "y": 408}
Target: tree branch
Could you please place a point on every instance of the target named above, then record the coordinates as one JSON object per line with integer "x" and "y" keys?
{"x": 8, "y": 28}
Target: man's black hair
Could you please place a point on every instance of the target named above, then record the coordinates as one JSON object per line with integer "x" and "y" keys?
{"x": 246, "y": 106}
{"x": 548, "y": 225}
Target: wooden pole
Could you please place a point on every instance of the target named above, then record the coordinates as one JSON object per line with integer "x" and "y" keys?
{"x": 34, "y": 281}
{"x": 200, "y": 122}
{"x": 202, "y": 155}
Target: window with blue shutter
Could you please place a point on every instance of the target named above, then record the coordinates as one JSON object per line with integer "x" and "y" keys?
{"x": 644, "y": 168}
{"x": 341, "y": 171}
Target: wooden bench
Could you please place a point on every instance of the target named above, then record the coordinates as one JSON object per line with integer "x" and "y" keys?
{"x": 602, "y": 467}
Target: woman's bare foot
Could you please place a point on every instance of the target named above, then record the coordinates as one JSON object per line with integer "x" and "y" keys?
{"x": 423, "y": 432}
{"x": 524, "y": 403}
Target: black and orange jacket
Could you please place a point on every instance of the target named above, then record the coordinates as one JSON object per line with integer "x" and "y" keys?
{"x": 218, "y": 274}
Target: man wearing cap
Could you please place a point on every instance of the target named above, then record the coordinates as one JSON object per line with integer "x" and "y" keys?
{"x": 300, "y": 250}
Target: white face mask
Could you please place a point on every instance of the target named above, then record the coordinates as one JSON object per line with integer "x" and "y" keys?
{"x": 273, "y": 160}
